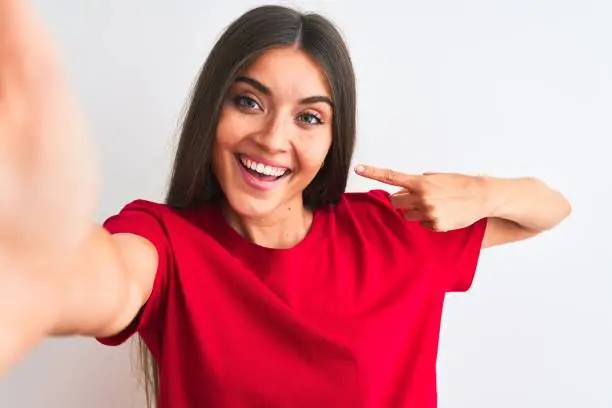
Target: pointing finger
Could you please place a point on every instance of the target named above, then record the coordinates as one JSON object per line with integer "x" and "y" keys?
{"x": 388, "y": 176}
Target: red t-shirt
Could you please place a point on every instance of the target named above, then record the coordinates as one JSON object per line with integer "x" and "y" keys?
{"x": 349, "y": 317}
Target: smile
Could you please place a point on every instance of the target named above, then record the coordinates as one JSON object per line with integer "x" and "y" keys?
{"x": 262, "y": 169}
{"x": 259, "y": 175}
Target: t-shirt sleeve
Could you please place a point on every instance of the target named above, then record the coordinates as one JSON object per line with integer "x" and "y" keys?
{"x": 145, "y": 219}
{"x": 456, "y": 252}
{"x": 459, "y": 252}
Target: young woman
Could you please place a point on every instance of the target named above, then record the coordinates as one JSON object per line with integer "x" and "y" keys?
{"x": 260, "y": 282}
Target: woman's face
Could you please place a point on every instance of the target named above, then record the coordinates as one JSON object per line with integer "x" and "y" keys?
{"x": 274, "y": 132}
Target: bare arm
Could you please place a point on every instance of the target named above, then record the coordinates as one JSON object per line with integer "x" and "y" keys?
{"x": 521, "y": 208}
{"x": 59, "y": 275}
{"x": 98, "y": 292}
{"x": 515, "y": 209}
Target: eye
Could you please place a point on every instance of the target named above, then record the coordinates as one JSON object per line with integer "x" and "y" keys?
{"x": 310, "y": 119}
{"x": 246, "y": 103}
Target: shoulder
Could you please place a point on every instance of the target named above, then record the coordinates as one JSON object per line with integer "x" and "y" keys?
{"x": 370, "y": 217}
{"x": 370, "y": 203}
{"x": 140, "y": 209}
{"x": 144, "y": 206}
{"x": 371, "y": 212}
{"x": 151, "y": 219}
{"x": 137, "y": 214}
{"x": 372, "y": 199}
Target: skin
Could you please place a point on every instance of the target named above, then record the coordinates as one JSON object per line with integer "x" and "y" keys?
{"x": 516, "y": 209}
{"x": 87, "y": 282}
{"x": 277, "y": 110}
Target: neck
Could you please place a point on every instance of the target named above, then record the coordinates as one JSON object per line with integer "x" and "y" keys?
{"x": 285, "y": 227}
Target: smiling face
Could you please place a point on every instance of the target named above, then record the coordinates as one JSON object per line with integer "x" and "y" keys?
{"x": 273, "y": 134}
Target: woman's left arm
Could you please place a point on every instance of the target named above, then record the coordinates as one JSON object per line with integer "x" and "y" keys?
{"x": 515, "y": 209}
{"x": 520, "y": 208}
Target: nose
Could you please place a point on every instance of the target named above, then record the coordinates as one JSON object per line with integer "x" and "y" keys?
{"x": 275, "y": 137}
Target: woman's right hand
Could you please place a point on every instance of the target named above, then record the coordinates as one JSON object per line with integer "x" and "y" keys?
{"x": 60, "y": 274}
{"x": 48, "y": 173}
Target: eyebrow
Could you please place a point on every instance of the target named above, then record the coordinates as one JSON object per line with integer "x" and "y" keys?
{"x": 266, "y": 91}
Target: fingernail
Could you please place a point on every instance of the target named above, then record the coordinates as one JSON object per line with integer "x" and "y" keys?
{"x": 360, "y": 169}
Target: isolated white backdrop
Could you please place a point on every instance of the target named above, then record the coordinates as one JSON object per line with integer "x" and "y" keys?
{"x": 508, "y": 88}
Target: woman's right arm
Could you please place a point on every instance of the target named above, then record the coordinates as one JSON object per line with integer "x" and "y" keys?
{"x": 97, "y": 292}
{"x": 59, "y": 274}
{"x": 106, "y": 285}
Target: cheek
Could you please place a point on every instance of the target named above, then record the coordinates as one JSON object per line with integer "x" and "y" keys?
{"x": 225, "y": 139}
{"x": 228, "y": 133}
{"x": 313, "y": 153}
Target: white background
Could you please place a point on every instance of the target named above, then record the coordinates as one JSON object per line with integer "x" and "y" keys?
{"x": 508, "y": 88}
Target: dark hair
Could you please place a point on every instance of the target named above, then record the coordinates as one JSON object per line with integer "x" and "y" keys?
{"x": 260, "y": 29}
{"x": 256, "y": 31}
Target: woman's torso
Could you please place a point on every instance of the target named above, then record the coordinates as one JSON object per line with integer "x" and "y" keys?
{"x": 349, "y": 317}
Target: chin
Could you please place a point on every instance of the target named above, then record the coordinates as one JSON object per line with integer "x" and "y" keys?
{"x": 250, "y": 206}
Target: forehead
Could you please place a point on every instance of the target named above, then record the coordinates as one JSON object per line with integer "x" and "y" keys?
{"x": 289, "y": 72}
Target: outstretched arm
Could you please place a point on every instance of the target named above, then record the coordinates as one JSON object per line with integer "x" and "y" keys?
{"x": 95, "y": 292}
{"x": 58, "y": 273}
{"x": 516, "y": 209}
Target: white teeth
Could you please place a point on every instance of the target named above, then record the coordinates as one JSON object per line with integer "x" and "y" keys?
{"x": 263, "y": 168}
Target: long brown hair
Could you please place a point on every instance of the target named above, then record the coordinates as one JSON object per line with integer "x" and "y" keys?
{"x": 193, "y": 183}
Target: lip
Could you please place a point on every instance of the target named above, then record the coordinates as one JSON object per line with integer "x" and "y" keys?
{"x": 262, "y": 161}
{"x": 256, "y": 183}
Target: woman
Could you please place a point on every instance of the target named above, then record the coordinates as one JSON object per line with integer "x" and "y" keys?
{"x": 260, "y": 282}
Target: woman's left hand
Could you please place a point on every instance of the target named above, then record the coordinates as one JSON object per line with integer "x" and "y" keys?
{"x": 439, "y": 201}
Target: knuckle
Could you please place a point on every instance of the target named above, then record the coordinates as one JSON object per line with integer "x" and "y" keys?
{"x": 433, "y": 217}
{"x": 424, "y": 187}
{"x": 428, "y": 204}
{"x": 437, "y": 224}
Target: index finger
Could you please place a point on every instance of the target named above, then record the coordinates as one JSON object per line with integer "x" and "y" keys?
{"x": 388, "y": 176}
